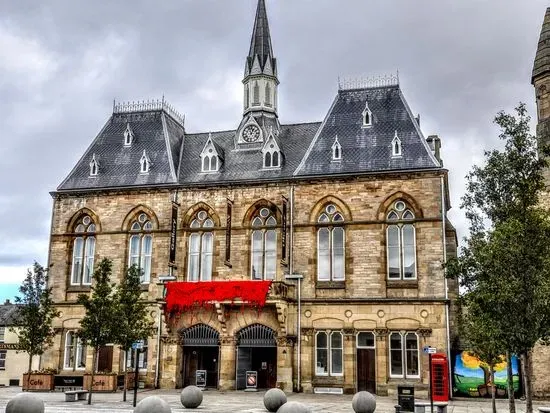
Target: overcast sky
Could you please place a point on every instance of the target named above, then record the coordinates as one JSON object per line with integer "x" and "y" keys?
{"x": 63, "y": 62}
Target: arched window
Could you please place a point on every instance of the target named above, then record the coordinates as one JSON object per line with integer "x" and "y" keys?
{"x": 331, "y": 245}
{"x": 82, "y": 267}
{"x": 75, "y": 352}
{"x": 396, "y": 146}
{"x": 329, "y": 353}
{"x": 336, "y": 150}
{"x": 94, "y": 166}
{"x": 246, "y": 97}
{"x": 272, "y": 155}
{"x": 401, "y": 242}
{"x": 256, "y": 96}
{"x": 201, "y": 246}
{"x": 145, "y": 163}
{"x": 264, "y": 245}
{"x": 141, "y": 246}
{"x": 267, "y": 95}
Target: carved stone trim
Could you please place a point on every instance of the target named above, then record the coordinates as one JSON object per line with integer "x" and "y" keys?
{"x": 349, "y": 331}
{"x": 381, "y": 333}
{"x": 220, "y": 312}
{"x": 170, "y": 340}
{"x": 425, "y": 332}
{"x": 228, "y": 341}
{"x": 281, "y": 316}
{"x": 307, "y": 332}
{"x": 285, "y": 341}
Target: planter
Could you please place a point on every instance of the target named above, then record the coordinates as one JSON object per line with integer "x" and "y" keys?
{"x": 102, "y": 382}
{"x": 38, "y": 382}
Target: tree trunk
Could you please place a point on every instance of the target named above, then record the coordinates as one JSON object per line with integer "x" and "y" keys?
{"x": 510, "y": 382}
{"x": 94, "y": 364}
{"x": 493, "y": 390}
{"x": 125, "y": 374}
{"x": 528, "y": 383}
{"x": 29, "y": 370}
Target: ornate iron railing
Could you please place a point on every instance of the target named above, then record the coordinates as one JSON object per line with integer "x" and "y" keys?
{"x": 148, "y": 105}
{"x": 347, "y": 83}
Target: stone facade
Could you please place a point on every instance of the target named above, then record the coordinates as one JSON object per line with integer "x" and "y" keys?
{"x": 365, "y": 301}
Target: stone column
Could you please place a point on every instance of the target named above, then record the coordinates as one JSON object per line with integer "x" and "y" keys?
{"x": 308, "y": 359}
{"x": 285, "y": 347}
{"x": 168, "y": 362}
{"x": 382, "y": 361}
{"x": 350, "y": 365}
{"x": 227, "y": 363}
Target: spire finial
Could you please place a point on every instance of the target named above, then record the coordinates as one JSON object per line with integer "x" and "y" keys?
{"x": 260, "y": 43}
{"x": 542, "y": 62}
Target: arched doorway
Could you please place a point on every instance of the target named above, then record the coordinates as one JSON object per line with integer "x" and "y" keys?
{"x": 200, "y": 352}
{"x": 257, "y": 351}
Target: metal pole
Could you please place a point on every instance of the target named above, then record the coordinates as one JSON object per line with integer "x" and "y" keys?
{"x": 447, "y": 304}
{"x": 136, "y": 376}
{"x": 431, "y": 386}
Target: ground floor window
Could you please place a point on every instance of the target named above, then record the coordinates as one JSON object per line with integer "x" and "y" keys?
{"x": 75, "y": 352}
{"x": 404, "y": 358}
{"x": 142, "y": 358}
{"x": 329, "y": 353}
{"x": 3, "y": 359}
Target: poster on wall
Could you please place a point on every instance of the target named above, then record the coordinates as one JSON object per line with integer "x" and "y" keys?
{"x": 472, "y": 378}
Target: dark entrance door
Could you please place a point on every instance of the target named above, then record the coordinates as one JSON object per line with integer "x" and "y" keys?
{"x": 257, "y": 351}
{"x": 366, "y": 362}
{"x": 200, "y": 352}
{"x": 105, "y": 359}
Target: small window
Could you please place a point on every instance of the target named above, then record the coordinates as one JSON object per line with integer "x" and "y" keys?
{"x": 329, "y": 351}
{"x": 94, "y": 166}
{"x": 367, "y": 116}
{"x": 246, "y": 97}
{"x": 2, "y": 334}
{"x": 256, "y": 95}
{"x": 145, "y": 163}
{"x": 336, "y": 150}
{"x": 365, "y": 340}
{"x": 404, "y": 355}
{"x": 396, "y": 146}
{"x": 128, "y": 136}
{"x": 3, "y": 359}
{"x": 267, "y": 95}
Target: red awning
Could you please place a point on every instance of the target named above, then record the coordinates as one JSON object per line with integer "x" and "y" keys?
{"x": 181, "y": 296}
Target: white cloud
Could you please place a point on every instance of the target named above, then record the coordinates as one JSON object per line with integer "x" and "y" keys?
{"x": 12, "y": 275}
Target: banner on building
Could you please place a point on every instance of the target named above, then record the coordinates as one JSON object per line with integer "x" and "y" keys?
{"x": 173, "y": 233}
{"x": 283, "y": 237}
{"x": 228, "y": 233}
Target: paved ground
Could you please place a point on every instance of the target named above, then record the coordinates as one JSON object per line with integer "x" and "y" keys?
{"x": 219, "y": 402}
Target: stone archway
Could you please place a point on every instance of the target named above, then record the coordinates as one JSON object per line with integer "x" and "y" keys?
{"x": 257, "y": 351}
{"x": 201, "y": 351}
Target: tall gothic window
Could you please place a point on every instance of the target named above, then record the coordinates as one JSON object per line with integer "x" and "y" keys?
{"x": 331, "y": 245}
{"x": 264, "y": 245}
{"x": 141, "y": 246}
{"x": 267, "y": 95}
{"x": 401, "y": 242}
{"x": 75, "y": 352}
{"x": 256, "y": 94}
{"x": 246, "y": 97}
{"x": 201, "y": 246}
{"x": 82, "y": 266}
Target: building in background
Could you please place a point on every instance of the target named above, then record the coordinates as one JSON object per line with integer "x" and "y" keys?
{"x": 12, "y": 362}
{"x": 308, "y": 253}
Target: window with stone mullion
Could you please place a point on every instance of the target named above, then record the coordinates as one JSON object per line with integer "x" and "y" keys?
{"x": 331, "y": 246}
{"x": 263, "y": 248}
{"x": 82, "y": 266}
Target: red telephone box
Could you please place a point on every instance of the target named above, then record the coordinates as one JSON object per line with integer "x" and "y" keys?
{"x": 440, "y": 377}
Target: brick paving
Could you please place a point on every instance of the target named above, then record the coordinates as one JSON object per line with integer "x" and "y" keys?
{"x": 222, "y": 402}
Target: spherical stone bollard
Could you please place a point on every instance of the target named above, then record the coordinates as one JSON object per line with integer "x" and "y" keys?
{"x": 25, "y": 403}
{"x": 294, "y": 407}
{"x": 273, "y": 399}
{"x": 363, "y": 402}
{"x": 191, "y": 397}
{"x": 152, "y": 404}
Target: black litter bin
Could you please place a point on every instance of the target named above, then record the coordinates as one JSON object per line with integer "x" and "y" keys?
{"x": 405, "y": 398}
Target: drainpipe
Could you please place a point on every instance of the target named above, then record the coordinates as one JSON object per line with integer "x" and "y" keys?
{"x": 447, "y": 304}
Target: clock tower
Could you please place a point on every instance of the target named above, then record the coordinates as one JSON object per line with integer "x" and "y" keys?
{"x": 260, "y": 85}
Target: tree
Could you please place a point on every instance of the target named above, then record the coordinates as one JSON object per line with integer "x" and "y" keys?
{"x": 134, "y": 321}
{"x": 99, "y": 324}
{"x": 505, "y": 266}
{"x": 36, "y": 314}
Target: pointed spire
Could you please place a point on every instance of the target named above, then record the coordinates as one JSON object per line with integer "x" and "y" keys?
{"x": 260, "y": 43}
{"x": 542, "y": 59}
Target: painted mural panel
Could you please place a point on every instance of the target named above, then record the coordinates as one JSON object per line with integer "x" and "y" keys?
{"x": 471, "y": 377}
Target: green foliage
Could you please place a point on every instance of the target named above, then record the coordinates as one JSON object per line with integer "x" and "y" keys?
{"x": 99, "y": 324}
{"x": 36, "y": 313}
{"x": 134, "y": 321}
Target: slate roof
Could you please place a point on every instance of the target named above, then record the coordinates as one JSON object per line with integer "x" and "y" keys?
{"x": 306, "y": 147}
{"x": 542, "y": 58}
{"x": 260, "y": 42}
{"x": 9, "y": 314}
{"x": 368, "y": 149}
{"x": 154, "y": 131}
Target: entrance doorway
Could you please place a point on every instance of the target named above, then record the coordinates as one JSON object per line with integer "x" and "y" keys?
{"x": 200, "y": 352}
{"x": 257, "y": 351}
{"x": 105, "y": 359}
{"x": 366, "y": 362}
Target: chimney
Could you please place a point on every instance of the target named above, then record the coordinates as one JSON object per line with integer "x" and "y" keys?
{"x": 435, "y": 145}
{"x": 7, "y": 302}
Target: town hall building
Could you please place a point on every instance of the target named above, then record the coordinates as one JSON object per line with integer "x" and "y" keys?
{"x": 310, "y": 253}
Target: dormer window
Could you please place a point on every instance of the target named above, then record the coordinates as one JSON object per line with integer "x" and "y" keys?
{"x": 271, "y": 153}
{"x": 94, "y": 166}
{"x": 367, "y": 116}
{"x": 210, "y": 157}
{"x": 145, "y": 163}
{"x": 128, "y": 136}
{"x": 336, "y": 150}
{"x": 396, "y": 146}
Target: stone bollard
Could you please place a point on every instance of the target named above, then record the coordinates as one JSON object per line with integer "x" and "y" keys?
{"x": 152, "y": 404}
{"x": 25, "y": 403}
{"x": 191, "y": 397}
{"x": 294, "y": 407}
{"x": 363, "y": 402}
{"x": 274, "y": 399}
